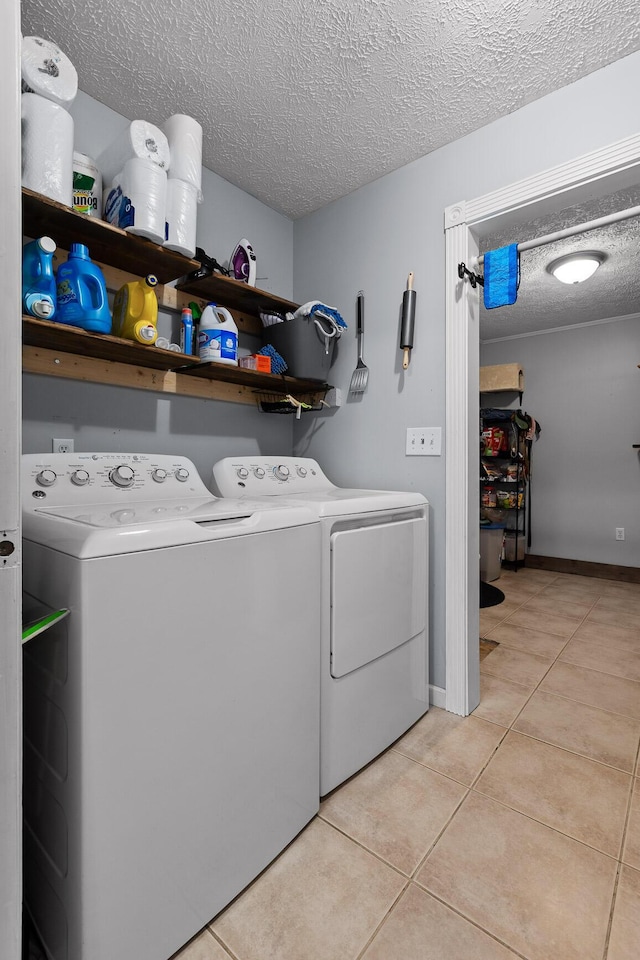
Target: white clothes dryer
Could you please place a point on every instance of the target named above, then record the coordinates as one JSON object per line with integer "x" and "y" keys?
{"x": 374, "y": 637}
{"x": 172, "y": 720}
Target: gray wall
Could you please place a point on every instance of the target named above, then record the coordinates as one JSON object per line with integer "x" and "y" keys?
{"x": 112, "y": 418}
{"x": 583, "y": 385}
{"x": 371, "y": 239}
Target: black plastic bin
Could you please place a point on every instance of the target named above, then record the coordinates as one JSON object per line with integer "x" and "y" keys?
{"x": 301, "y": 343}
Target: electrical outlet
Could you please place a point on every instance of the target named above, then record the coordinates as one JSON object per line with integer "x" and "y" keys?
{"x": 61, "y": 446}
{"x": 424, "y": 442}
{"x": 619, "y": 533}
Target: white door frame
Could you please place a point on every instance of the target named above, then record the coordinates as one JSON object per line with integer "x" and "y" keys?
{"x": 10, "y": 416}
{"x": 595, "y": 174}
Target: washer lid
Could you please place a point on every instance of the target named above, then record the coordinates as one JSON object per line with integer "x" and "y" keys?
{"x": 110, "y": 515}
{"x": 102, "y": 530}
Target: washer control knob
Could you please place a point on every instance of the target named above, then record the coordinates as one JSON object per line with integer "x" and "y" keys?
{"x": 258, "y": 472}
{"x": 242, "y": 473}
{"x": 80, "y": 477}
{"x": 182, "y": 474}
{"x": 281, "y": 472}
{"x": 46, "y": 477}
{"x": 122, "y": 475}
{"x": 159, "y": 475}
{"x": 302, "y": 471}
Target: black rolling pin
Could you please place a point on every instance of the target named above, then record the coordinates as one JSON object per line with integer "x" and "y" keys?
{"x": 408, "y": 318}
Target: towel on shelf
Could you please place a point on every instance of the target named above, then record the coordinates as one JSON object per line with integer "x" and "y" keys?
{"x": 278, "y": 363}
{"x": 501, "y": 276}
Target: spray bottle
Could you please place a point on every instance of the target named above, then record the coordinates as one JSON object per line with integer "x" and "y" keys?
{"x": 218, "y": 336}
{"x": 135, "y": 311}
{"x": 186, "y": 331}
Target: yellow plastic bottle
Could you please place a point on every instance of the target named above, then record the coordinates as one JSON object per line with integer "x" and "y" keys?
{"x": 135, "y": 311}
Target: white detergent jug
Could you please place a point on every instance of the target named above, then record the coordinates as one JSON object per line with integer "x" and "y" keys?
{"x": 218, "y": 335}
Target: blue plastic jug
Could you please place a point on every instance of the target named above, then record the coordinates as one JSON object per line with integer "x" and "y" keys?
{"x": 82, "y": 293}
{"x": 38, "y": 281}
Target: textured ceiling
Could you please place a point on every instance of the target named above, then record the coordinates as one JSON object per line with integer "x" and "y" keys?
{"x": 543, "y": 302}
{"x": 303, "y": 102}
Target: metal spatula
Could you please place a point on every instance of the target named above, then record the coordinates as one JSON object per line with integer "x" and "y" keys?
{"x": 360, "y": 375}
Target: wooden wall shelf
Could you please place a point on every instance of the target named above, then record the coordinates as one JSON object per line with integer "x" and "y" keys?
{"x": 107, "y": 244}
{"x": 68, "y": 339}
{"x": 235, "y": 295}
{"x": 61, "y": 350}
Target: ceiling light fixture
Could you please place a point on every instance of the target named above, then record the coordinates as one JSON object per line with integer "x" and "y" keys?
{"x": 576, "y": 267}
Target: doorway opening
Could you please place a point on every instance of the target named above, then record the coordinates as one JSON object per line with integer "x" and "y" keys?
{"x": 602, "y": 172}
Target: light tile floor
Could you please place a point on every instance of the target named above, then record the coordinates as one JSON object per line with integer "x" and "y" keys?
{"x": 514, "y": 832}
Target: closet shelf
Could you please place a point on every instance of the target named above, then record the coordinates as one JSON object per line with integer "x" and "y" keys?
{"x": 263, "y": 382}
{"x": 233, "y": 294}
{"x": 60, "y": 336}
{"x": 74, "y": 346}
{"x": 61, "y": 350}
{"x": 108, "y": 244}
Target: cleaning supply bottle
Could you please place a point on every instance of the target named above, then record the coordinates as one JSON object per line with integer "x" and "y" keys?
{"x": 218, "y": 336}
{"x": 135, "y": 311}
{"x": 186, "y": 331}
{"x": 196, "y": 314}
{"x": 38, "y": 280}
{"x": 82, "y": 293}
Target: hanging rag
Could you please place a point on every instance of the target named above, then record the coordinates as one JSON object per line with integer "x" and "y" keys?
{"x": 501, "y": 276}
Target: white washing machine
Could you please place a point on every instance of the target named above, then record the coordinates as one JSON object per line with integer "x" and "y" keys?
{"x": 172, "y": 720}
{"x": 374, "y": 636}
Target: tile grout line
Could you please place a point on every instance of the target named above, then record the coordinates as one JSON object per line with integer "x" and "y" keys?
{"x": 552, "y": 664}
{"x": 358, "y": 843}
{"x": 474, "y": 923}
{"x": 382, "y": 922}
{"x": 614, "y": 894}
{"x": 485, "y": 796}
{"x": 634, "y": 770}
{"x": 232, "y": 955}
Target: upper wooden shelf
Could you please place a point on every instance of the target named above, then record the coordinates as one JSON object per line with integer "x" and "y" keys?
{"x": 108, "y": 244}
{"x": 234, "y": 294}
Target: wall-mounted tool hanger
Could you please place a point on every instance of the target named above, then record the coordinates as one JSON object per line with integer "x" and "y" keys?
{"x": 474, "y": 278}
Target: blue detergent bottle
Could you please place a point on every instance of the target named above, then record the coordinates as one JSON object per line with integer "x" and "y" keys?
{"x": 38, "y": 280}
{"x": 82, "y": 293}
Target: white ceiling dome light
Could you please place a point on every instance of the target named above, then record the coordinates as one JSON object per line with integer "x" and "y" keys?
{"x": 576, "y": 267}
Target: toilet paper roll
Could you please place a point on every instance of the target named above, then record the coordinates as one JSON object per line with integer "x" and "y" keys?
{"x": 47, "y": 148}
{"x": 185, "y": 147}
{"x": 140, "y": 140}
{"x": 47, "y": 71}
{"x": 182, "y": 214}
{"x": 137, "y": 200}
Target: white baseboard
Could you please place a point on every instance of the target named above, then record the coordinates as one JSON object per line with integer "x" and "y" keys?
{"x": 437, "y": 696}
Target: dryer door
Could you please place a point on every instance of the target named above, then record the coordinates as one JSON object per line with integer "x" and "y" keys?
{"x": 378, "y": 590}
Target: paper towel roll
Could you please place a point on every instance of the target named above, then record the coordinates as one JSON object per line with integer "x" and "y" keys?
{"x": 140, "y": 140}
{"x": 47, "y": 148}
{"x": 182, "y": 215}
{"x": 87, "y": 186}
{"x": 137, "y": 200}
{"x": 185, "y": 147}
{"x": 47, "y": 71}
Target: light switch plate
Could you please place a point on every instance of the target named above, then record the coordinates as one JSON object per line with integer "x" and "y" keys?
{"x": 424, "y": 442}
